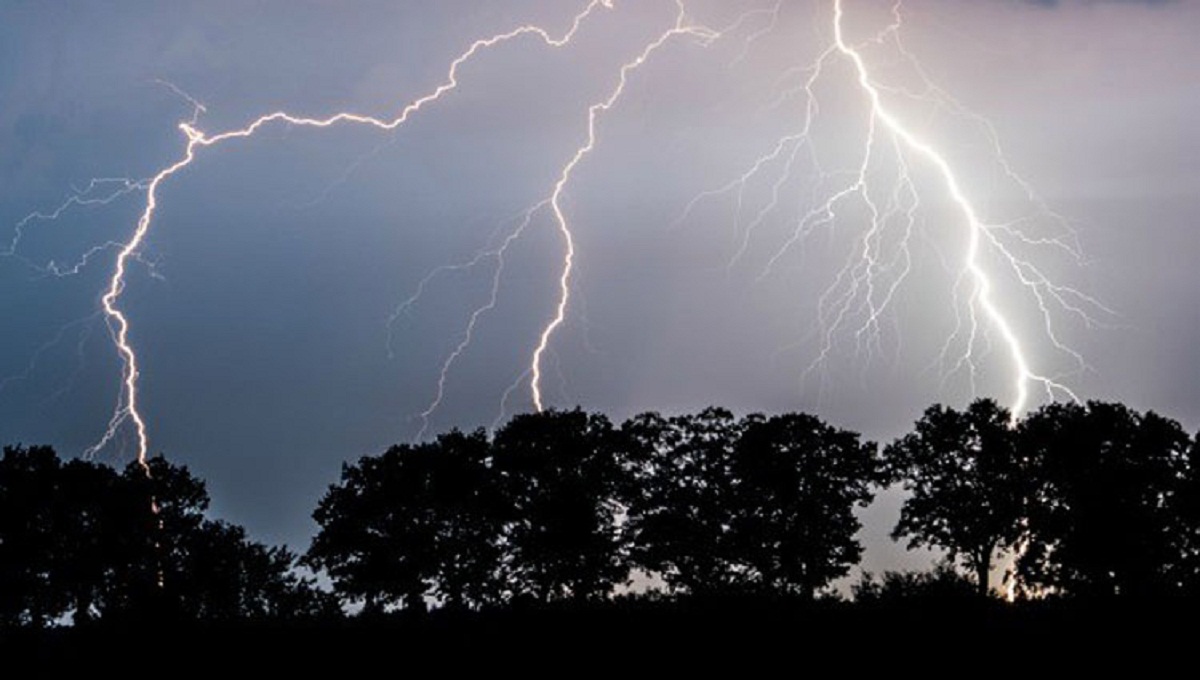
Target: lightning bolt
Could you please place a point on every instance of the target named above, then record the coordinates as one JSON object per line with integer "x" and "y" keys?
{"x": 979, "y": 232}
{"x": 85, "y": 323}
{"x": 468, "y": 333}
{"x": 863, "y": 290}
{"x": 90, "y": 195}
{"x": 128, "y": 409}
{"x": 681, "y": 28}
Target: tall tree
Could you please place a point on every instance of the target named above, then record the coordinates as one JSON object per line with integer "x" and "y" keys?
{"x": 419, "y": 521}
{"x": 91, "y": 532}
{"x": 681, "y": 499}
{"x": 559, "y": 475}
{"x": 364, "y": 543}
{"x": 80, "y": 540}
{"x": 966, "y": 479}
{"x": 798, "y": 482}
{"x": 167, "y": 560}
{"x": 1106, "y": 518}
{"x": 232, "y": 578}
{"x": 31, "y": 547}
{"x": 160, "y": 509}
{"x": 466, "y": 499}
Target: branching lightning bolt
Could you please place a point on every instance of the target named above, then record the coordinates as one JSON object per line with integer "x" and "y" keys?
{"x": 90, "y": 195}
{"x": 979, "y": 232}
{"x": 862, "y": 291}
{"x": 866, "y": 285}
{"x": 497, "y": 254}
{"x": 681, "y": 27}
{"x": 127, "y": 408}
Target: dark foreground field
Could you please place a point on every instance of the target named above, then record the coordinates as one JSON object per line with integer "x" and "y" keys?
{"x": 752, "y": 638}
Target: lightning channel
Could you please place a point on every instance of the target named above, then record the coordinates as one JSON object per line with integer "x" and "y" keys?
{"x": 864, "y": 289}
{"x": 982, "y": 296}
{"x": 682, "y": 27}
{"x": 128, "y": 409}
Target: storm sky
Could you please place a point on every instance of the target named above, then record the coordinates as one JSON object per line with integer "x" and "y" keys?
{"x": 261, "y": 302}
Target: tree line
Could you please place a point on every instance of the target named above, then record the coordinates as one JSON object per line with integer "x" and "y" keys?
{"x": 87, "y": 542}
{"x": 1095, "y": 501}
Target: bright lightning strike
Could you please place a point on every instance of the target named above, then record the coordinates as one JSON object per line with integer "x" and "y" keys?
{"x": 856, "y": 302}
{"x": 127, "y": 409}
{"x": 681, "y": 27}
{"x": 865, "y": 287}
{"x": 980, "y": 232}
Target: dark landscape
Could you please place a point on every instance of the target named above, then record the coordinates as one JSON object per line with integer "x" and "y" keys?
{"x": 746, "y": 338}
{"x": 473, "y": 546}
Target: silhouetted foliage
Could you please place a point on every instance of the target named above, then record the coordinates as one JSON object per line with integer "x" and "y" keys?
{"x": 722, "y": 506}
{"x": 31, "y": 545}
{"x": 83, "y": 541}
{"x": 96, "y": 535}
{"x": 559, "y": 508}
{"x": 681, "y": 500}
{"x": 1108, "y": 515}
{"x": 468, "y": 548}
{"x": 941, "y": 586}
{"x": 559, "y": 477}
{"x": 418, "y": 521}
{"x": 967, "y": 481}
{"x": 798, "y": 482}
{"x": 529, "y": 515}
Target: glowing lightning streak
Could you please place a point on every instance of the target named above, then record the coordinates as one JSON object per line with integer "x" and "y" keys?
{"x": 976, "y": 228}
{"x": 860, "y": 290}
{"x": 978, "y": 231}
{"x": 127, "y": 408}
{"x": 81, "y": 198}
{"x": 465, "y": 340}
{"x": 706, "y": 35}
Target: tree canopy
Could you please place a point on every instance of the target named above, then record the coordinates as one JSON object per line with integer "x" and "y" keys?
{"x": 966, "y": 476}
{"x": 1109, "y": 508}
{"x": 562, "y": 506}
{"x": 419, "y": 521}
{"x": 82, "y": 541}
{"x": 1096, "y": 500}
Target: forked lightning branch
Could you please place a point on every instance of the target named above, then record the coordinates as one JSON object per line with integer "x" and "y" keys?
{"x": 988, "y": 327}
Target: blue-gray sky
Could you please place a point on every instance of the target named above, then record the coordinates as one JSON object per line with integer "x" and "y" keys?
{"x": 262, "y": 325}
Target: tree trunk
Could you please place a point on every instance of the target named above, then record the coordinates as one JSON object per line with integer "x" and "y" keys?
{"x": 983, "y": 565}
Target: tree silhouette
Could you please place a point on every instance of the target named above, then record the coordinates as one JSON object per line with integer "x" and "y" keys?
{"x": 229, "y": 577}
{"x": 681, "y": 499}
{"x": 417, "y": 521}
{"x": 169, "y": 562}
{"x": 967, "y": 481}
{"x": 83, "y": 541}
{"x": 31, "y": 547}
{"x": 559, "y": 476}
{"x": 943, "y": 585}
{"x": 559, "y": 507}
{"x": 92, "y": 532}
{"x": 364, "y": 543}
{"x": 465, "y": 496}
{"x": 798, "y": 482}
{"x": 1106, "y": 518}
